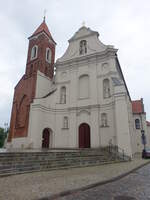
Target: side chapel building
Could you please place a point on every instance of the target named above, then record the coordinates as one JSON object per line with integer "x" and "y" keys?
{"x": 84, "y": 104}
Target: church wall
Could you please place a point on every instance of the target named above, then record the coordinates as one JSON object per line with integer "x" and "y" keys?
{"x": 95, "y": 134}
{"x": 105, "y": 70}
{"x": 122, "y": 121}
{"x": 82, "y": 110}
{"x": 23, "y": 96}
{"x": 73, "y": 130}
{"x": 131, "y": 124}
{"x": 107, "y": 133}
{"x": 73, "y": 87}
{"x": 106, "y": 66}
{"x": 61, "y": 134}
{"x": 101, "y": 136}
{"x": 93, "y": 83}
{"x": 43, "y": 85}
{"x": 83, "y": 71}
{"x": 148, "y": 136}
{"x": 36, "y": 126}
{"x": 138, "y": 146}
{"x": 18, "y": 143}
{"x": 61, "y": 137}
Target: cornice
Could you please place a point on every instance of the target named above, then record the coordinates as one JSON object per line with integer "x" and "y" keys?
{"x": 88, "y": 108}
{"x": 63, "y": 82}
{"x": 107, "y": 74}
{"x": 91, "y": 58}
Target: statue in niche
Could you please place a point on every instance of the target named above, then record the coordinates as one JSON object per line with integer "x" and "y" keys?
{"x": 83, "y": 47}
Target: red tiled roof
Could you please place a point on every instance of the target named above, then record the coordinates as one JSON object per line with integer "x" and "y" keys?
{"x": 137, "y": 106}
{"x": 43, "y": 27}
{"x": 148, "y": 123}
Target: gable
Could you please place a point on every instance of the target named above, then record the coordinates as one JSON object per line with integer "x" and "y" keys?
{"x": 83, "y": 32}
{"x": 94, "y": 45}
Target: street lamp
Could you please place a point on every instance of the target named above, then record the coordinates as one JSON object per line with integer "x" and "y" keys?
{"x": 143, "y": 137}
{"x": 5, "y": 127}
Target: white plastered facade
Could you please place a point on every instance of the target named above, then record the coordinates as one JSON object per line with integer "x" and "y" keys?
{"x": 83, "y": 77}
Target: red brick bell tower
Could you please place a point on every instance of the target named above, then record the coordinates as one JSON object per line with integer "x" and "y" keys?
{"x": 41, "y": 56}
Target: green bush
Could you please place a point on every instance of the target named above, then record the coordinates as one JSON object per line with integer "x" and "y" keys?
{"x": 3, "y": 135}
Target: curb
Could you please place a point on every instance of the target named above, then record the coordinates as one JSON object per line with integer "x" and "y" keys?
{"x": 69, "y": 192}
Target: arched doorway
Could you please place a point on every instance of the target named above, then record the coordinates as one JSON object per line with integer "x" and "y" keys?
{"x": 46, "y": 138}
{"x": 84, "y": 136}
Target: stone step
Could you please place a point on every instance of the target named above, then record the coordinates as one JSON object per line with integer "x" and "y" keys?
{"x": 46, "y": 158}
{"x": 46, "y": 168}
{"x": 52, "y": 154}
{"x": 16, "y": 159}
{"x": 37, "y": 162}
{"x": 21, "y": 162}
{"x": 68, "y": 160}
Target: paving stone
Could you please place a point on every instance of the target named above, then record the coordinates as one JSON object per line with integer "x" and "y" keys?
{"x": 132, "y": 187}
{"x": 44, "y": 184}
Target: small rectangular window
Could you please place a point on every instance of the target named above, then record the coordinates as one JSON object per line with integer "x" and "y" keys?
{"x": 65, "y": 123}
{"x": 137, "y": 124}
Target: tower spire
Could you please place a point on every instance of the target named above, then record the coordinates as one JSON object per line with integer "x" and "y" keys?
{"x": 44, "y": 15}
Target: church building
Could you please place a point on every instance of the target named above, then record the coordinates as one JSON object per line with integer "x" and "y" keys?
{"x": 79, "y": 101}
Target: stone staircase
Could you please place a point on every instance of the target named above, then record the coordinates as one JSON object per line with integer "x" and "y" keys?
{"x": 23, "y": 162}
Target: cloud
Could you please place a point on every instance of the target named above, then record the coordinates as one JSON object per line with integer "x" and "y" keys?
{"x": 124, "y": 24}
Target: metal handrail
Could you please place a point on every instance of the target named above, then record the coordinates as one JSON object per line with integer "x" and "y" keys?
{"x": 119, "y": 152}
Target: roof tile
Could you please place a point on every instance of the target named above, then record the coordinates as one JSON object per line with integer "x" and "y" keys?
{"x": 148, "y": 123}
{"x": 43, "y": 27}
{"x": 137, "y": 106}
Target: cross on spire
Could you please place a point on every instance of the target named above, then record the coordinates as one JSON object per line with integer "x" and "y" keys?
{"x": 44, "y": 15}
{"x": 83, "y": 23}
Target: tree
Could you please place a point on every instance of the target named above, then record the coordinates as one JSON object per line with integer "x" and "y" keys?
{"x": 3, "y": 136}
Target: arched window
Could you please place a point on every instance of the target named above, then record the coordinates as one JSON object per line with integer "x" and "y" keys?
{"x": 48, "y": 55}
{"x": 34, "y": 52}
{"x": 84, "y": 86}
{"x": 63, "y": 95}
{"x": 83, "y": 47}
{"x": 104, "y": 120}
{"x": 137, "y": 124}
{"x": 65, "y": 122}
{"x": 106, "y": 88}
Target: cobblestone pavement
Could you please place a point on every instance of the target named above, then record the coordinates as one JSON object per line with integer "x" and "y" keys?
{"x": 135, "y": 185}
{"x": 32, "y": 186}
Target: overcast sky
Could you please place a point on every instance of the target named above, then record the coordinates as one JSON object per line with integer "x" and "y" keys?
{"x": 124, "y": 24}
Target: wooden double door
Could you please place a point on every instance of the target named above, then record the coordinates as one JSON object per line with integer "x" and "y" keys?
{"x": 46, "y": 138}
{"x": 84, "y": 136}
